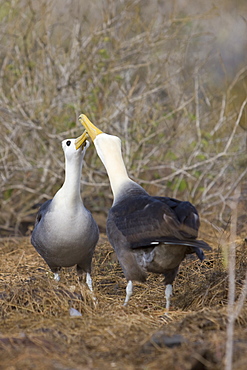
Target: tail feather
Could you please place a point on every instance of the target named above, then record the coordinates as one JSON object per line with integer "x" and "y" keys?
{"x": 170, "y": 241}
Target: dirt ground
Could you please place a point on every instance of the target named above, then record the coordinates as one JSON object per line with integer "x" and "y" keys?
{"x": 38, "y": 332}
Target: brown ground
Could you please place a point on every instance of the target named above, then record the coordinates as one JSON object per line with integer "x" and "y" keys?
{"x": 37, "y": 332}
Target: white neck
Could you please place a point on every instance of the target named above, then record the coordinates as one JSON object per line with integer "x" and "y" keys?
{"x": 108, "y": 148}
{"x": 70, "y": 191}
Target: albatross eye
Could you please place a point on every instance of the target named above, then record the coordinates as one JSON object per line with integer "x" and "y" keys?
{"x": 68, "y": 142}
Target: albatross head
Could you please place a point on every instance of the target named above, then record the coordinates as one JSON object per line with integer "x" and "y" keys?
{"x": 71, "y": 150}
{"x": 98, "y": 137}
{"x": 107, "y": 146}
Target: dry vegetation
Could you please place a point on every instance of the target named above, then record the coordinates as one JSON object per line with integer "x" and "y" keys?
{"x": 173, "y": 87}
{"x": 38, "y": 332}
{"x": 164, "y": 84}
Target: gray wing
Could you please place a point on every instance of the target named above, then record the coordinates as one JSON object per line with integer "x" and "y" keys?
{"x": 41, "y": 213}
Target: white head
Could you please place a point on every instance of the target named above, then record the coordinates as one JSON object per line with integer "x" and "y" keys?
{"x": 70, "y": 150}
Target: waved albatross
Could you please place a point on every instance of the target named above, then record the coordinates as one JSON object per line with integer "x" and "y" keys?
{"x": 65, "y": 233}
{"x": 148, "y": 233}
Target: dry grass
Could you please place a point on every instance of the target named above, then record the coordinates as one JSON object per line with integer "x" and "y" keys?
{"x": 36, "y": 330}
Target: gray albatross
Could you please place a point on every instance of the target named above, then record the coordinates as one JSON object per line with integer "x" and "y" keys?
{"x": 65, "y": 233}
{"x": 148, "y": 233}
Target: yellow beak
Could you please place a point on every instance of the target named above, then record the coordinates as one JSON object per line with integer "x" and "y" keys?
{"x": 81, "y": 140}
{"x": 92, "y": 130}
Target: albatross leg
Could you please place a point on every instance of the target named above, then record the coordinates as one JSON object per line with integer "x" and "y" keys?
{"x": 89, "y": 281}
{"x": 168, "y": 293}
{"x": 81, "y": 273}
{"x": 129, "y": 291}
{"x": 90, "y": 286}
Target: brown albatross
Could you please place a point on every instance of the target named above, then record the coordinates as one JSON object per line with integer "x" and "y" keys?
{"x": 148, "y": 233}
{"x": 65, "y": 233}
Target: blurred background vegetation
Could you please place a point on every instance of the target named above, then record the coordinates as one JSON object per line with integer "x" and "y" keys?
{"x": 168, "y": 77}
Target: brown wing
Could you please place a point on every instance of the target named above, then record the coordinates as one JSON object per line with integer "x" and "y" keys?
{"x": 144, "y": 218}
